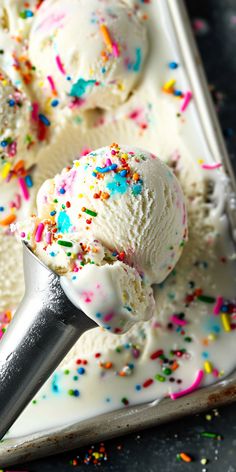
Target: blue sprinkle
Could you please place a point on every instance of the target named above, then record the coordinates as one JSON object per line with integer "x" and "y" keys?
{"x": 173, "y": 65}
{"x": 28, "y": 14}
{"x": 103, "y": 70}
{"x": 44, "y": 119}
{"x": 224, "y": 308}
{"x": 52, "y": 254}
{"x": 74, "y": 277}
{"x": 11, "y": 103}
{"x": 123, "y": 173}
{"x": 205, "y": 355}
{"x": 98, "y": 315}
{"x": 137, "y": 65}
{"x": 63, "y": 222}
{"x": 138, "y": 387}
{"x": 68, "y": 78}
{"x": 108, "y": 400}
{"x": 115, "y": 253}
{"x": 117, "y": 185}
{"x": 4, "y": 143}
{"x": 54, "y": 103}
{"x": 76, "y": 393}
{"x": 62, "y": 191}
{"x": 137, "y": 189}
{"x": 80, "y": 87}
{"x": 81, "y": 370}
{"x": 177, "y": 93}
{"x": 103, "y": 170}
{"x": 1, "y": 208}
{"x": 53, "y": 213}
{"x": 29, "y": 181}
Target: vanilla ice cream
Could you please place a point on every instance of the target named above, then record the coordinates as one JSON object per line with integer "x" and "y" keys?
{"x": 118, "y": 218}
{"x": 92, "y": 52}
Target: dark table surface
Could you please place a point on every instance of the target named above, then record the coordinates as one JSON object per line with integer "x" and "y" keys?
{"x": 157, "y": 449}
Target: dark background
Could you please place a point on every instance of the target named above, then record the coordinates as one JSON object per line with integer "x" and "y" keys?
{"x": 157, "y": 449}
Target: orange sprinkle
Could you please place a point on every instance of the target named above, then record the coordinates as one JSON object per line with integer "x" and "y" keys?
{"x": 8, "y": 220}
{"x": 185, "y": 457}
{"x": 19, "y": 165}
{"x": 105, "y": 195}
{"x": 106, "y": 365}
{"x": 106, "y": 36}
{"x": 174, "y": 366}
{"x": 136, "y": 176}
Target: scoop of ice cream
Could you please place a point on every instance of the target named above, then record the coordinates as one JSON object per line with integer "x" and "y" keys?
{"x": 120, "y": 212}
{"x": 94, "y": 57}
{"x": 16, "y": 134}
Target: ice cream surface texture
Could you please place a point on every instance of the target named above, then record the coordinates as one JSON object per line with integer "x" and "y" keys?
{"x": 94, "y": 50}
{"x": 113, "y": 224}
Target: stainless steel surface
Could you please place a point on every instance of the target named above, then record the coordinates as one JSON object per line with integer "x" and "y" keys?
{"x": 43, "y": 330}
{"x": 129, "y": 419}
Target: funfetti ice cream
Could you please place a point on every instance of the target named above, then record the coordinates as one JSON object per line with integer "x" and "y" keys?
{"x": 92, "y": 52}
{"x": 17, "y": 136}
{"x": 112, "y": 225}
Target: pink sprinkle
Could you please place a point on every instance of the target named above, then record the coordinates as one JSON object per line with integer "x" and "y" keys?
{"x": 113, "y": 152}
{"x": 108, "y": 317}
{"x": 39, "y": 232}
{"x": 85, "y": 151}
{"x": 51, "y": 83}
{"x": 108, "y": 162}
{"x": 115, "y": 50}
{"x": 60, "y": 65}
{"x": 17, "y": 201}
{"x": 24, "y": 188}
{"x": 76, "y": 103}
{"x": 22, "y": 235}
{"x": 215, "y": 372}
{"x": 35, "y": 111}
{"x": 187, "y": 99}
{"x": 48, "y": 238}
{"x": 194, "y": 386}
{"x": 218, "y": 305}
{"x": 12, "y": 149}
{"x": 176, "y": 320}
{"x": 211, "y": 166}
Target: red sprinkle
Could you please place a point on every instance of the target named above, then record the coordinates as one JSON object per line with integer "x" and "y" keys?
{"x": 156, "y": 354}
{"x": 147, "y": 383}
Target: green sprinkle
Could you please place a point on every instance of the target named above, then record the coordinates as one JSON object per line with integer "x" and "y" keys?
{"x": 188, "y": 339}
{"x": 66, "y": 372}
{"x": 205, "y": 434}
{"x": 160, "y": 378}
{"x": 89, "y": 212}
{"x": 64, "y": 243}
{"x": 55, "y": 201}
{"x": 68, "y": 254}
{"x": 167, "y": 371}
{"x": 71, "y": 392}
{"x": 206, "y": 299}
{"x": 34, "y": 402}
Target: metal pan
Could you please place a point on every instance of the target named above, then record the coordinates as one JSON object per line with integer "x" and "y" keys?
{"x": 133, "y": 418}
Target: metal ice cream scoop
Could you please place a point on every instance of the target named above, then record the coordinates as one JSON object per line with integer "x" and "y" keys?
{"x": 44, "y": 328}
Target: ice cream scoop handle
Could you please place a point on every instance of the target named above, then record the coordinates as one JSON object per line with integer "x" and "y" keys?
{"x": 42, "y": 331}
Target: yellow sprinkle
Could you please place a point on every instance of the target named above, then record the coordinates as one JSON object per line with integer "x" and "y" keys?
{"x": 106, "y": 37}
{"x": 225, "y": 322}
{"x": 121, "y": 86}
{"x": 80, "y": 195}
{"x": 91, "y": 187}
{"x": 76, "y": 163}
{"x": 169, "y": 85}
{"x": 208, "y": 367}
{"x": 5, "y": 170}
{"x": 212, "y": 337}
{"x": 41, "y": 84}
{"x": 124, "y": 156}
{"x": 200, "y": 161}
{"x": 4, "y": 82}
